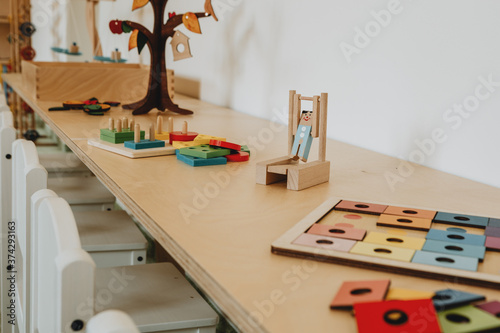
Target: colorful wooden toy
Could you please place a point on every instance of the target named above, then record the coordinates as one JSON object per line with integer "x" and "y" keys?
{"x": 446, "y": 260}
{"x": 197, "y": 161}
{"x": 494, "y": 223}
{"x": 157, "y": 92}
{"x": 410, "y": 212}
{"x": 461, "y": 220}
{"x": 225, "y": 144}
{"x": 183, "y": 135}
{"x": 383, "y": 251}
{"x": 395, "y": 240}
{"x": 417, "y": 316}
{"x": 468, "y": 319}
{"x": 160, "y": 134}
{"x": 491, "y": 307}
{"x": 492, "y": 243}
{"x": 465, "y": 250}
{"x": 144, "y": 144}
{"x": 404, "y": 222}
{"x": 492, "y": 232}
{"x": 324, "y": 242}
{"x": 402, "y": 294}
{"x": 339, "y": 230}
{"x": 300, "y": 176}
{"x": 205, "y": 151}
{"x": 240, "y": 156}
{"x": 456, "y": 235}
{"x": 203, "y": 139}
{"x": 451, "y": 298}
{"x": 245, "y": 149}
{"x": 118, "y": 134}
{"x": 184, "y": 144}
{"x": 360, "y": 207}
{"x": 353, "y": 292}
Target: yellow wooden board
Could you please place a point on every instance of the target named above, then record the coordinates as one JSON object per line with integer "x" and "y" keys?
{"x": 402, "y": 294}
{"x": 395, "y": 240}
{"x": 383, "y": 251}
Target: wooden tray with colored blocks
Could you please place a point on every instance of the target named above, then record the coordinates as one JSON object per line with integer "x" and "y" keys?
{"x": 431, "y": 244}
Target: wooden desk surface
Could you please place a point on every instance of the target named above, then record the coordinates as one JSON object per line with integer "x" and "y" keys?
{"x": 223, "y": 237}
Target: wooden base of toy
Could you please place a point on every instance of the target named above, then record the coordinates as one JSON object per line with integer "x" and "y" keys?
{"x": 298, "y": 176}
{"x": 130, "y": 153}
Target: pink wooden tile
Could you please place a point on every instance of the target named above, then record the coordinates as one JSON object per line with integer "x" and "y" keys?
{"x": 339, "y": 230}
{"x": 492, "y": 243}
{"x": 491, "y": 307}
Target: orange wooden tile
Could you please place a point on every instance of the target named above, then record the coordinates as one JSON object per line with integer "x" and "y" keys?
{"x": 410, "y": 212}
{"x": 360, "y": 207}
{"x": 360, "y": 291}
{"x": 339, "y": 230}
{"x": 404, "y": 222}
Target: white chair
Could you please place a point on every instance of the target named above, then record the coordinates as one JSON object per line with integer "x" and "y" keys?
{"x": 156, "y": 296}
{"x": 111, "y": 321}
{"x": 63, "y": 164}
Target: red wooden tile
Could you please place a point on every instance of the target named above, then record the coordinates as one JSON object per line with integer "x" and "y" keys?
{"x": 492, "y": 243}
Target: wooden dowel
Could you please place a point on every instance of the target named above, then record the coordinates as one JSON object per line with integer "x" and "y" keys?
{"x": 315, "y": 117}
{"x": 170, "y": 124}
{"x": 152, "y": 133}
{"x": 322, "y": 124}
{"x": 124, "y": 122}
{"x": 159, "y": 124}
{"x": 137, "y": 133}
{"x": 291, "y": 99}
{"x": 304, "y": 98}
{"x": 184, "y": 127}
{"x": 111, "y": 124}
{"x": 118, "y": 126}
{"x": 131, "y": 126}
{"x": 297, "y": 105}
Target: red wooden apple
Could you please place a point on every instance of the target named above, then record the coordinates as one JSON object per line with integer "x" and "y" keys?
{"x": 116, "y": 26}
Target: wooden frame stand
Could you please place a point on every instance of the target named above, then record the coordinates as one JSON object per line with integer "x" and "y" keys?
{"x": 300, "y": 176}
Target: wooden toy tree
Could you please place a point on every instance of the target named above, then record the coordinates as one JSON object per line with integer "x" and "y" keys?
{"x": 157, "y": 94}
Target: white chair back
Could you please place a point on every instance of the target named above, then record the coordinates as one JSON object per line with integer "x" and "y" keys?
{"x": 64, "y": 274}
{"x": 7, "y": 137}
{"x": 112, "y": 321}
{"x": 28, "y": 176}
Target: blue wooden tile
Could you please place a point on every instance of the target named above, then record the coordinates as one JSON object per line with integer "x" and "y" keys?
{"x": 197, "y": 161}
{"x": 452, "y": 235}
{"x": 492, "y": 231}
{"x": 464, "y": 250}
{"x": 451, "y": 298}
{"x": 446, "y": 260}
{"x": 144, "y": 144}
{"x": 494, "y": 223}
{"x": 461, "y": 220}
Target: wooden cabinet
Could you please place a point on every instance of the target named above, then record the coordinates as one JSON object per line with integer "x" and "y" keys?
{"x": 4, "y": 31}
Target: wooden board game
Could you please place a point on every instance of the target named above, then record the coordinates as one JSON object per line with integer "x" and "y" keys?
{"x": 440, "y": 245}
{"x": 131, "y": 153}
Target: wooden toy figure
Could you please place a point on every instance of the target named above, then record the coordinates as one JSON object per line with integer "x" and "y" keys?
{"x": 303, "y": 138}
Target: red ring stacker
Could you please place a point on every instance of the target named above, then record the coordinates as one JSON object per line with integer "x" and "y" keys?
{"x": 240, "y": 156}
{"x": 178, "y": 136}
{"x": 225, "y": 144}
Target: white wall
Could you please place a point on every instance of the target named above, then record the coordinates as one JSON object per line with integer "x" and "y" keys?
{"x": 393, "y": 93}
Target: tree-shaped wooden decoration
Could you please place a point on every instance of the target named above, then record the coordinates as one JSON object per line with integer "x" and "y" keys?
{"x": 157, "y": 95}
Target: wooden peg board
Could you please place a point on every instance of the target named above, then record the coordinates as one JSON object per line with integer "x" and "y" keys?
{"x": 303, "y": 241}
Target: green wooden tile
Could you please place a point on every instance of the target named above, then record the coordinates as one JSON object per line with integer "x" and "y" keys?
{"x": 205, "y": 151}
{"x": 467, "y": 319}
{"x": 114, "y": 137}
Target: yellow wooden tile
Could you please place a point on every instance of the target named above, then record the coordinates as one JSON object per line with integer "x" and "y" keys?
{"x": 395, "y": 240}
{"x": 383, "y": 251}
{"x": 184, "y": 144}
{"x": 402, "y": 294}
{"x": 203, "y": 139}
{"x": 165, "y": 136}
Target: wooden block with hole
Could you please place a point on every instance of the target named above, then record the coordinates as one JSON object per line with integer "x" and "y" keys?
{"x": 339, "y": 230}
{"x": 410, "y": 212}
{"x": 461, "y": 220}
{"x": 395, "y": 240}
{"x": 468, "y": 319}
{"x": 416, "y": 316}
{"x": 383, "y": 251}
{"x": 352, "y": 292}
{"x": 456, "y": 235}
{"x": 404, "y": 222}
{"x": 360, "y": 207}
{"x": 451, "y": 298}
{"x": 324, "y": 242}
{"x": 446, "y": 260}
{"x": 464, "y": 250}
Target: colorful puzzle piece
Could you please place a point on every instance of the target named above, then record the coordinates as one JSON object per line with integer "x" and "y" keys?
{"x": 401, "y": 294}
{"x": 325, "y": 243}
{"x": 225, "y": 144}
{"x": 383, "y": 251}
{"x": 118, "y": 137}
{"x": 395, "y": 240}
{"x": 468, "y": 319}
{"x": 492, "y": 243}
{"x": 144, "y": 144}
{"x": 410, "y": 212}
{"x": 492, "y": 232}
{"x": 446, "y": 260}
{"x": 360, "y": 207}
{"x": 339, "y": 230}
{"x": 417, "y": 316}
{"x": 205, "y": 151}
{"x": 465, "y": 250}
{"x": 165, "y": 136}
{"x": 491, "y": 307}
{"x": 494, "y": 223}
{"x": 404, "y": 222}
{"x": 352, "y": 292}
{"x": 240, "y": 156}
{"x": 456, "y": 235}
{"x": 461, "y": 220}
{"x": 451, "y": 298}
{"x": 203, "y": 139}
{"x": 245, "y": 149}
{"x": 179, "y": 136}
{"x": 197, "y": 161}
{"x": 184, "y": 144}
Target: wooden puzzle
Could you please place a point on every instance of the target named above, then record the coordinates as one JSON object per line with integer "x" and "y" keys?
{"x": 303, "y": 127}
{"x": 350, "y": 233}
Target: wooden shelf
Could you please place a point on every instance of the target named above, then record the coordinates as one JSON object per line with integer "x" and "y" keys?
{"x": 4, "y": 20}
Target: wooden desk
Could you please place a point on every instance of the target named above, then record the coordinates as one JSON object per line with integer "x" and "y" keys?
{"x": 223, "y": 239}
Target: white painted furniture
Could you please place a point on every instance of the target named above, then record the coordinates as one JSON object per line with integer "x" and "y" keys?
{"x": 111, "y": 321}
{"x": 65, "y": 293}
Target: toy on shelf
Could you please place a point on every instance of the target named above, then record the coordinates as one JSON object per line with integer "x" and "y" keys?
{"x": 123, "y": 131}
{"x": 160, "y": 134}
{"x": 349, "y": 232}
{"x": 217, "y": 152}
{"x": 73, "y": 50}
{"x": 157, "y": 93}
{"x": 116, "y": 56}
{"x": 302, "y": 128}
{"x": 139, "y": 143}
{"x": 183, "y": 135}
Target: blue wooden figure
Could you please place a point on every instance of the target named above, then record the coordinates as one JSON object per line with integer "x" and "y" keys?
{"x": 303, "y": 138}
